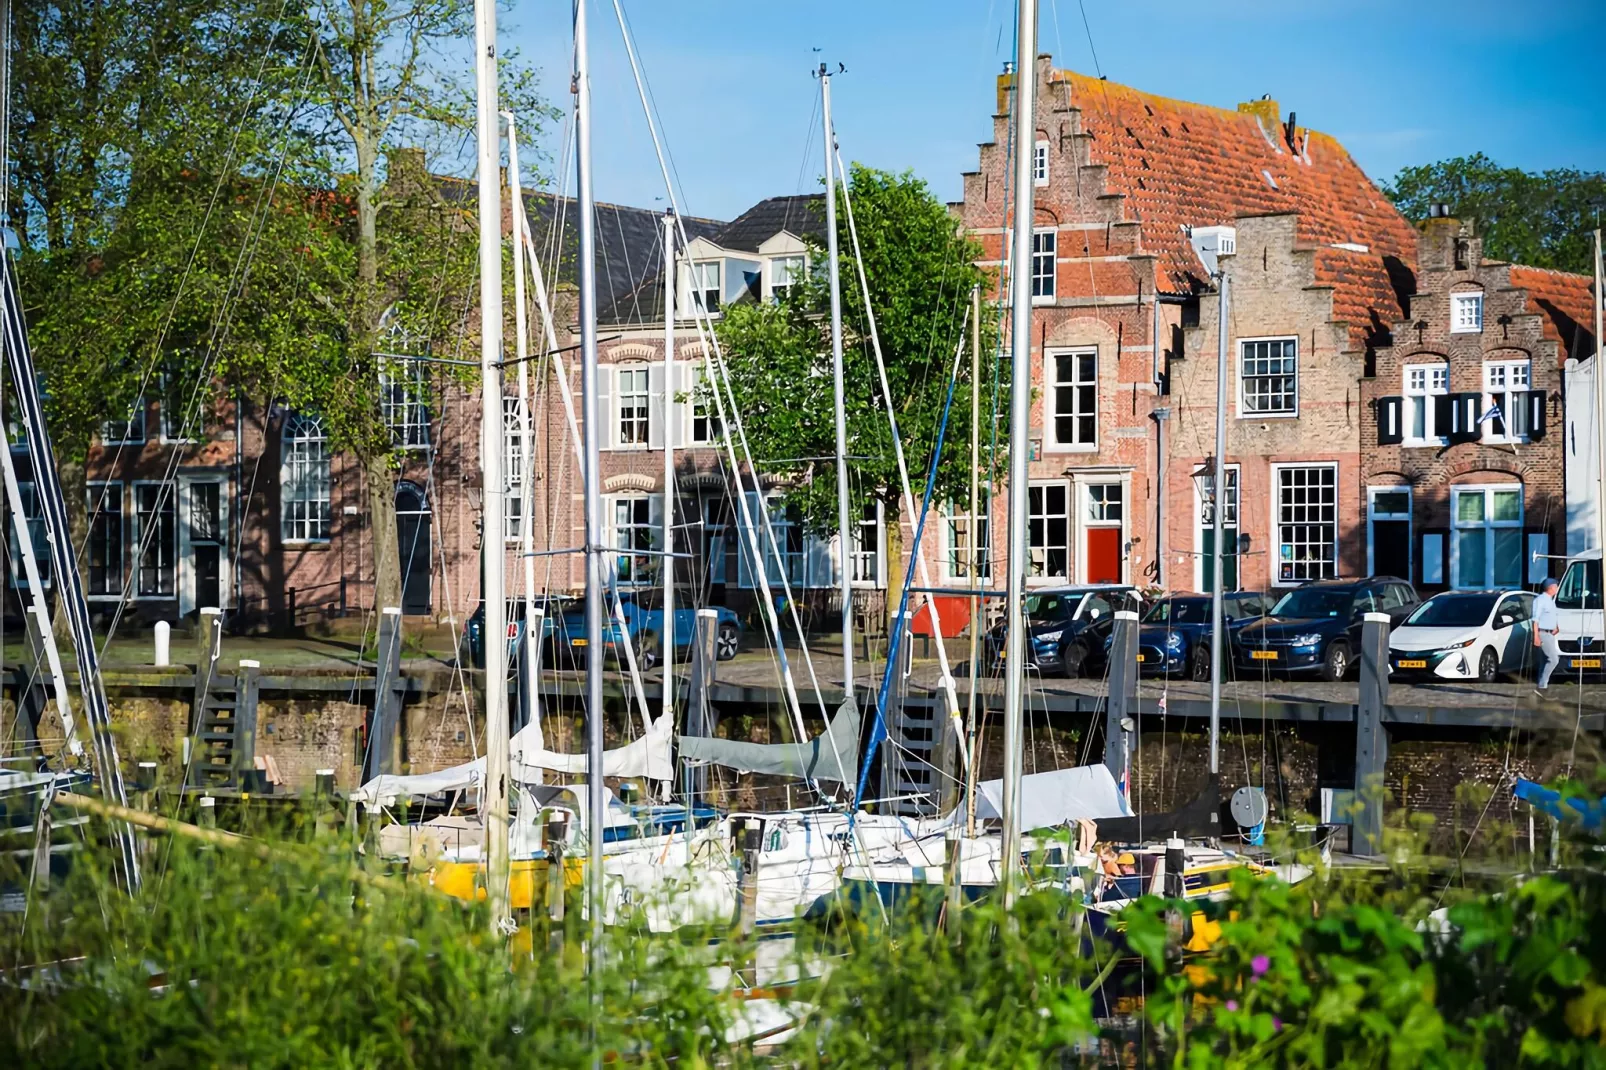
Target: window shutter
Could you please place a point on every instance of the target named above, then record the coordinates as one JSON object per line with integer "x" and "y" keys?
{"x": 1466, "y": 408}
{"x": 655, "y": 407}
{"x": 1390, "y": 423}
{"x": 748, "y": 541}
{"x": 819, "y": 570}
{"x": 1534, "y": 403}
{"x": 605, "y": 413}
{"x": 1443, "y": 414}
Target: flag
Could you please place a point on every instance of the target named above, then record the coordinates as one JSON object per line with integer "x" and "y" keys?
{"x": 1493, "y": 413}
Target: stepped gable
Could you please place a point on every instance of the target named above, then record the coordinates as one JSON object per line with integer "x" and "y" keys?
{"x": 1178, "y": 164}
{"x": 1563, "y": 300}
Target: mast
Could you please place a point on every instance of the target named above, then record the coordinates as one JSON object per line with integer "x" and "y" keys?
{"x": 1020, "y": 400}
{"x": 1218, "y": 496}
{"x": 595, "y": 799}
{"x": 521, "y": 327}
{"x": 492, "y": 529}
{"x": 976, "y": 553}
{"x": 668, "y": 640}
{"x": 839, "y": 408}
{"x": 1600, "y": 415}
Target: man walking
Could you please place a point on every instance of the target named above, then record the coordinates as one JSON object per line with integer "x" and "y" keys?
{"x": 1547, "y": 622}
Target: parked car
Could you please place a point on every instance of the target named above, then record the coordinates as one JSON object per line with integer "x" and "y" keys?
{"x": 644, "y": 623}
{"x": 1175, "y": 637}
{"x": 1465, "y": 635}
{"x": 471, "y": 648}
{"x": 1316, "y": 628}
{"x": 1066, "y": 627}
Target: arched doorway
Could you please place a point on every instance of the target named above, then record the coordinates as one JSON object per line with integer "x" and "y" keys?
{"x": 413, "y": 543}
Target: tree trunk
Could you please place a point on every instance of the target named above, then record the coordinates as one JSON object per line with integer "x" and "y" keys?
{"x": 893, "y": 520}
{"x": 72, "y": 478}
{"x": 380, "y": 480}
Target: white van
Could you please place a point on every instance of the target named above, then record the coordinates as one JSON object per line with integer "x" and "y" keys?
{"x": 1583, "y": 623}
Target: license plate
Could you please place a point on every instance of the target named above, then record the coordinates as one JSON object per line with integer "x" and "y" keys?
{"x": 1140, "y": 659}
{"x": 1413, "y": 663}
{"x": 1586, "y": 663}
{"x": 1263, "y": 655}
{"x": 578, "y": 642}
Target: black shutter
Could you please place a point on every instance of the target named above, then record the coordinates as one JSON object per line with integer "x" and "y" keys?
{"x": 1466, "y": 408}
{"x": 1390, "y": 412}
{"x": 1534, "y": 404}
{"x": 1443, "y": 414}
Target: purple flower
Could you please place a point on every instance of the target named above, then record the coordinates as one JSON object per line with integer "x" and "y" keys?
{"x": 1232, "y": 1004}
{"x": 1259, "y": 965}
{"x": 1276, "y": 1025}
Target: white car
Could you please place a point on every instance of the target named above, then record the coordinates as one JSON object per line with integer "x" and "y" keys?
{"x": 1465, "y": 635}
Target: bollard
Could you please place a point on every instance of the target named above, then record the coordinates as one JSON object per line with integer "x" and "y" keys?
{"x": 163, "y": 636}
{"x": 323, "y": 783}
{"x": 556, "y": 831}
{"x": 247, "y": 679}
{"x": 207, "y": 818}
{"x": 1371, "y": 736}
{"x": 381, "y": 756}
{"x": 145, "y": 785}
{"x": 748, "y": 838}
{"x": 699, "y": 711}
{"x": 323, "y": 790}
{"x": 1122, "y": 703}
{"x": 1176, "y": 860}
{"x": 953, "y": 878}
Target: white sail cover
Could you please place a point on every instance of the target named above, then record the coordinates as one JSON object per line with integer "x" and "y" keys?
{"x": 1049, "y": 800}
{"x": 648, "y": 757}
{"x": 831, "y": 755}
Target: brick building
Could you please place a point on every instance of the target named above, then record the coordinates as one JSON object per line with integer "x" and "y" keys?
{"x": 1462, "y": 430}
{"x": 1138, "y": 197}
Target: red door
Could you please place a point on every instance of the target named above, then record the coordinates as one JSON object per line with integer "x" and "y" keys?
{"x": 1103, "y": 555}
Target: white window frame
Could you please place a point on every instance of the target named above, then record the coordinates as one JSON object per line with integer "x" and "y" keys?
{"x": 1040, "y": 163}
{"x": 772, "y": 269}
{"x": 166, "y": 499}
{"x": 1075, "y": 386}
{"x": 1244, "y": 411}
{"x": 36, "y": 533}
{"x": 1508, "y": 372}
{"x": 865, "y": 563}
{"x": 404, "y": 402}
{"x": 641, "y": 416}
{"x": 1488, "y": 526}
{"x": 1039, "y": 574}
{"x": 650, "y": 523}
{"x": 704, "y": 408}
{"x": 98, "y": 493}
{"x": 513, "y": 417}
{"x": 956, "y": 547}
{"x": 1049, "y": 237}
{"x": 1408, "y": 516}
{"x": 1434, "y": 382}
{"x": 164, "y": 424}
{"x": 1203, "y": 521}
{"x": 300, "y": 483}
{"x": 1466, "y": 300}
{"x": 129, "y": 437}
{"x": 1277, "y": 543}
{"x": 699, "y": 286}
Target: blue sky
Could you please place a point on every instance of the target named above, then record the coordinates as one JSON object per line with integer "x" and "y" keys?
{"x": 1400, "y": 82}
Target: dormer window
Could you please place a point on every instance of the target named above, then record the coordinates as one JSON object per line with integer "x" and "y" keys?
{"x": 784, "y": 272}
{"x": 705, "y": 276}
{"x": 1040, "y": 163}
{"x": 1466, "y": 313}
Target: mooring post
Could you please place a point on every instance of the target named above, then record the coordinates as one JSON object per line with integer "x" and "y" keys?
{"x": 556, "y": 831}
{"x": 323, "y": 791}
{"x": 699, "y": 710}
{"x": 1122, "y": 703}
{"x": 1371, "y": 735}
{"x": 245, "y": 724}
{"x": 207, "y": 817}
{"x": 748, "y": 838}
{"x": 381, "y": 756}
{"x": 953, "y": 878}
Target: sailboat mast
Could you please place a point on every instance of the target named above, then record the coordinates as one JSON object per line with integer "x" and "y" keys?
{"x": 596, "y": 805}
{"x": 844, "y": 517}
{"x": 521, "y": 327}
{"x": 491, "y": 445}
{"x": 976, "y": 555}
{"x": 667, "y": 642}
{"x": 1218, "y": 500}
{"x": 1020, "y": 398}
{"x": 1600, "y": 412}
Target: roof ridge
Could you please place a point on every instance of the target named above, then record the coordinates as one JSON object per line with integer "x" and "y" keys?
{"x": 1105, "y": 85}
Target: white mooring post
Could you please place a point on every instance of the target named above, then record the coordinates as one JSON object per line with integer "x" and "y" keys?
{"x": 163, "y": 636}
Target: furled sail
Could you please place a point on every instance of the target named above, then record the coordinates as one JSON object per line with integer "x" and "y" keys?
{"x": 831, "y": 755}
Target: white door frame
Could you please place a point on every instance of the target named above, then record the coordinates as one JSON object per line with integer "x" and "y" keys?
{"x": 1080, "y": 524}
{"x": 184, "y": 585}
{"x": 1410, "y": 520}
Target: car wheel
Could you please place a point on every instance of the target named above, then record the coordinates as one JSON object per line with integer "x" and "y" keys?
{"x": 1335, "y": 666}
{"x": 1199, "y": 664}
{"x": 727, "y": 641}
{"x": 1073, "y": 658}
{"x": 1488, "y": 666}
{"x": 647, "y": 651}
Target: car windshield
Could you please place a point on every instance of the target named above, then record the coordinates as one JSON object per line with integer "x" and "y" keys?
{"x": 1045, "y": 608}
{"x": 1179, "y": 611}
{"x": 1580, "y": 586}
{"x": 1314, "y": 602}
{"x": 1453, "y": 611}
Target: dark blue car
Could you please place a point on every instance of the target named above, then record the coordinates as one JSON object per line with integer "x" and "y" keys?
{"x": 643, "y": 614}
{"x": 1175, "y": 637}
{"x": 1317, "y": 628}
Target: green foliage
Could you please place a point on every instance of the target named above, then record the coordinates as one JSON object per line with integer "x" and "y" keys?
{"x": 1541, "y": 218}
{"x": 921, "y": 267}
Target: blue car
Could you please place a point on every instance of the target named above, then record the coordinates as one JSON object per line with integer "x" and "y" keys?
{"x": 644, "y": 623}
{"x": 1175, "y": 637}
{"x": 473, "y": 641}
{"x": 1316, "y": 628}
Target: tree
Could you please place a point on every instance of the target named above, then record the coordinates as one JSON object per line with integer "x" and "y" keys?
{"x": 1543, "y": 219}
{"x": 921, "y": 267}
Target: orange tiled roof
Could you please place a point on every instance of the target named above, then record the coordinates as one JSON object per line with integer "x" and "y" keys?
{"x": 1363, "y": 294}
{"x": 1563, "y": 299}
{"x": 1191, "y": 164}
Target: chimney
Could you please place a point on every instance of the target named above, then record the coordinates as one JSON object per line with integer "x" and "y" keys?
{"x": 1267, "y": 112}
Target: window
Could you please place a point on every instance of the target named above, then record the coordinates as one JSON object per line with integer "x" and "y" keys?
{"x": 1487, "y": 547}
{"x": 1045, "y": 244}
{"x": 787, "y": 524}
{"x": 156, "y": 532}
{"x": 705, "y": 285}
{"x": 716, "y": 521}
{"x": 1506, "y": 383}
{"x": 866, "y": 555}
{"x": 635, "y": 529}
{"x": 105, "y": 551}
{"x": 1075, "y": 388}
{"x": 969, "y": 547}
{"x": 1307, "y": 522}
{"x": 1104, "y": 503}
{"x": 513, "y": 466}
{"x": 177, "y": 410}
{"x": 1423, "y": 383}
{"x": 1268, "y": 381}
{"x": 635, "y": 409}
{"x": 403, "y": 393}
{"x": 706, "y": 429}
{"x": 784, "y": 272}
{"x": 1205, "y": 536}
{"x": 1207, "y": 500}
{"x": 304, "y": 480}
{"x": 34, "y": 510}
{"x": 1048, "y": 531}
{"x": 126, "y": 432}
{"x": 1466, "y": 313}
{"x": 1040, "y": 164}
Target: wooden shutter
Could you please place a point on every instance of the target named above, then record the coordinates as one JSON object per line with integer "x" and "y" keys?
{"x": 605, "y": 412}
{"x": 1464, "y": 413}
{"x": 1390, "y": 420}
{"x": 1534, "y": 405}
{"x": 655, "y": 406}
